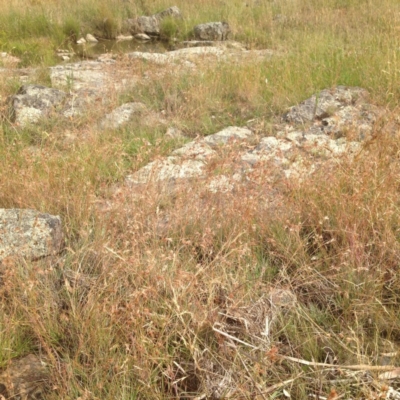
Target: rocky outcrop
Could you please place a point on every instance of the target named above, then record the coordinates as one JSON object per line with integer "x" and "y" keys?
{"x": 24, "y": 378}
{"x": 190, "y": 160}
{"x": 322, "y": 128}
{"x": 29, "y": 234}
{"x": 150, "y": 25}
{"x": 33, "y": 102}
{"x": 212, "y": 31}
{"x": 83, "y": 76}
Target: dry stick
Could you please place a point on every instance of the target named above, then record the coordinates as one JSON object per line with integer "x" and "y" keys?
{"x": 351, "y": 367}
{"x": 316, "y": 364}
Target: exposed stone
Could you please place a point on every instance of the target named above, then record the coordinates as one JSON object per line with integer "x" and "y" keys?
{"x": 86, "y": 75}
{"x": 212, "y": 31}
{"x": 33, "y": 102}
{"x": 325, "y": 104}
{"x": 142, "y": 36}
{"x": 190, "y": 160}
{"x": 25, "y": 378}
{"x": 229, "y": 134}
{"x": 90, "y": 38}
{"x": 81, "y": 41}
{"x": 29, "y": 234}
{"x": 150, "y": 24}
{"x": 292, "y": 151}
{"x": 121, "y": 38}
{"x": 173, "y": 11}
{"x": 121, "y": 115}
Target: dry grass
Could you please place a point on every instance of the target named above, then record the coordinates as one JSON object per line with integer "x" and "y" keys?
{"x": 175, "y": 297}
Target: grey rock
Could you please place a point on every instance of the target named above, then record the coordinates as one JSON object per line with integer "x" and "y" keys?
{"x": 212, "y": 31}
{"x": 190, "y": 160}
{"x": 86, "y": 75}
{"x": 148, "y": 24}
{"x": 121, "y": 115}
{"x": 324, "y": 105}
{"x": 229, "y": 134}
{"x": 151, "y": 24}
{"x": 33, "y": 102}
{"x": 173, "y": 11}
{"x": 24, "y": 378}
{"x": 29, "y": 234}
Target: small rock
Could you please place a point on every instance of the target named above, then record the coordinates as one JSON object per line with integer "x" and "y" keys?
{"x": 121, "y": 38}
{"x": 81, "y": 41}
{"x": 25, "y": 378}
{"x": 29, "y": 234}
{"x": 33, "y": 102}
{"x": 142, "y": 36}
{"x": 212, "y": 31}
{"x": 90, "y": 38}
{"x": 173, "y": 11}
{"x": 150, "y": 24}
{"x": 121, "y": 115}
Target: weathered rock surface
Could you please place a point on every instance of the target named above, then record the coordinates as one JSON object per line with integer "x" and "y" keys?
{"x": 33, "y": 102}
{"x": 121, "y": 115}
{"x": 150, "y": 25}
{"x": 84, "y": 75}
{"x": 90, "y": 38}
{"x": 29, "y": 234}
{"x": 190, "y": 160}
{"x": 25, "y": 378}
{"x": 212, "y": 31}
{"x": 337, "y": 120}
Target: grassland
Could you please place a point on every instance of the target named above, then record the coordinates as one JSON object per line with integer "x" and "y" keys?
{"x": 128, "y": 313}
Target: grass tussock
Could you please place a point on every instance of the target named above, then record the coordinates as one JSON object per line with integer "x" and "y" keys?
{"x": 195, "y": 294}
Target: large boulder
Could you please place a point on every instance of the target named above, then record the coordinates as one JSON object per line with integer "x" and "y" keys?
{"x": 212, "y": 31}
{"x": 33, "y": 102}
{"x": 29, "y": 234}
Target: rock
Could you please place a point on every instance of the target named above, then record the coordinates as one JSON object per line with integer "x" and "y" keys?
{"x": 142, "y": 36}
{"x": 81, "y": 41}
{"x": 150, "y": 24}
{"x": 91, "y": 39}
{"x": 84, "y": 75}
{"x": 229, "y": 134}
{"x": 190, "y": 160}
{"x": 25, "y": 378}
{"x": 157, "y": 58}
{"x": 186, "y": 55}
{"x": 121, "y": 38}
{"x": 335, "y": 126}
{"x": 212, "y": 31}
{"x": 29, "y": 234}
{"x": 121, "y": 115}
{"x": 173, "y": 11}
{"x": 33, "y": 102}
{"x": 324, "y": 105}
